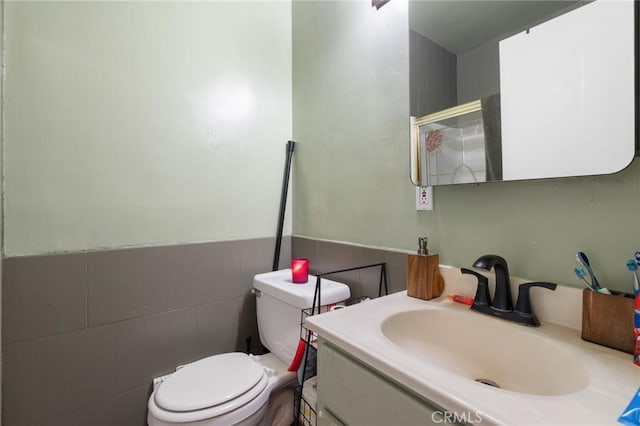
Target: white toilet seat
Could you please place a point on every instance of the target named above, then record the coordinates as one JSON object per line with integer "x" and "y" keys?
{"x": 232, "y": 412}
{"x": 217, "y": 396}
{"x": 210, "y": 382}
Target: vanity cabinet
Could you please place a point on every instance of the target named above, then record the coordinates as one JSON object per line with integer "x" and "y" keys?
{"x": 349, "y": 393}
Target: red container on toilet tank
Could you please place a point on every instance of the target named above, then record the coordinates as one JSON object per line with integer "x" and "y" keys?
{"x": 299, "y": 270}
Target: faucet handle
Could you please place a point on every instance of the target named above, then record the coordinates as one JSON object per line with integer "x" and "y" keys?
{"x": 523, "y": 304}
{"x": 482, "y": 292}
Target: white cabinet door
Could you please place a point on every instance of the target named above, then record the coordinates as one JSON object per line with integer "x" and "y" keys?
{"x": 351, "y": 394}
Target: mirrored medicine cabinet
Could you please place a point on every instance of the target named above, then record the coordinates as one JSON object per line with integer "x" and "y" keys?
{"x": 513, "y": 90}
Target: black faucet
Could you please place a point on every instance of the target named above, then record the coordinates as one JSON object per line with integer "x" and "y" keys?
{"x": 502, "y": 304}
{"x": 502, "y": 297}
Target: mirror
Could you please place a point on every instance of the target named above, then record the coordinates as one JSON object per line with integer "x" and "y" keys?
{"x": 513, "y": 90}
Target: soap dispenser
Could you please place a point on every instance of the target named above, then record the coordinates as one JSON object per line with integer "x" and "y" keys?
{"x": 423, "y": 273}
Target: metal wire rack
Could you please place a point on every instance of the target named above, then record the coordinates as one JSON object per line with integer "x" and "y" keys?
{"x": 305, "y": 394}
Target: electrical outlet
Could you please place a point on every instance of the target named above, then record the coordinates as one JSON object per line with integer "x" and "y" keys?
{"x": 424, "y": 198}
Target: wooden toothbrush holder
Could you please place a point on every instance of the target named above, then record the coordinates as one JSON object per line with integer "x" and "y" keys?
{"x": 423, "y": 276}
{"x": 608, "y": 319}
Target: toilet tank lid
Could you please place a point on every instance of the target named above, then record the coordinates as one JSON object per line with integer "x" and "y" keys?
{"x": 279, "y": 285}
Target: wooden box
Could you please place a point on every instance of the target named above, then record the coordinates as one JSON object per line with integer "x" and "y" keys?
{"x": 608, "y": 319}
{"x": 423, "y": 276}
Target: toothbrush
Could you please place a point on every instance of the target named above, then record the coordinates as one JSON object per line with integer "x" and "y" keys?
{"x": 633, "y": 267}
{"x": 584, "y": 261}
{"x": 580, "y": 274}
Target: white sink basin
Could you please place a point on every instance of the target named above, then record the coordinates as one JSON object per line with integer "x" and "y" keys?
{"x": 479, "y": 347}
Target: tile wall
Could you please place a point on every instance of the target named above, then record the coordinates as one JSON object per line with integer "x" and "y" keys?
{"x": 325, "y": 256}
{"x": 85, "y": 333}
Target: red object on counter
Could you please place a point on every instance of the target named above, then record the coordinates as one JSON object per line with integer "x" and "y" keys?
{"x": 299, "y": 270}
{"x": 461, "y": 299}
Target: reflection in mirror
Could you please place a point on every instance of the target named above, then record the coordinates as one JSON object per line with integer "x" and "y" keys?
{"x": 461, "y": 144}
{"x": 546, "y": 91}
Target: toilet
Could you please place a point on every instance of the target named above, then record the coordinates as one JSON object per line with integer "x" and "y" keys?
{"x": 240, "y": 389}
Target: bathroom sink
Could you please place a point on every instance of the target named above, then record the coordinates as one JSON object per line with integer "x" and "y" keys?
{"x": 487, "y": 350}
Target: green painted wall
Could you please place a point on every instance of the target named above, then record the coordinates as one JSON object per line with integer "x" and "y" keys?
{"x": 144, "y": 123}
{"x": 350, "y": 118}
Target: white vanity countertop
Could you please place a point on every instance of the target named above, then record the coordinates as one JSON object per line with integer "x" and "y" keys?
{"x": 613, "y": 378}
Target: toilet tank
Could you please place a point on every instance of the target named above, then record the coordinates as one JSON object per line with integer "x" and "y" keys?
{"x": 279, "y": 303}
